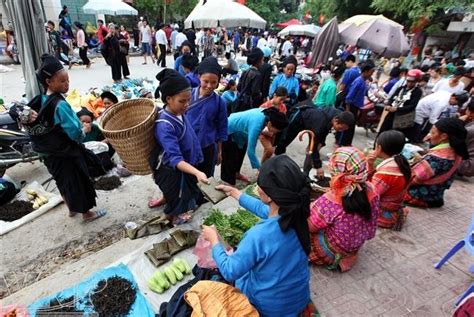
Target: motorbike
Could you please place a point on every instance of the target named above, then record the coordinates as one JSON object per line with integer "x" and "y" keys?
{"x": 369, "y": 115}
{"x": 15, "y": 144}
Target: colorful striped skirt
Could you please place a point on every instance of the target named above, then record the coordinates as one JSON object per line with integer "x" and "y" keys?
{"x": 322, "y": 253}
{"x": 392, "y": 219}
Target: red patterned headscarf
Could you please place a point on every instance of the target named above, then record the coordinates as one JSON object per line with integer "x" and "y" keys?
{"x": 348, "y": 167}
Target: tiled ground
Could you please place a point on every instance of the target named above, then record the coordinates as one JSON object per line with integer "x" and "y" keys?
{"x": 395, "y": 276}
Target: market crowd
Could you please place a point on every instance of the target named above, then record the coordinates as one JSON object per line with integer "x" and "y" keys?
{"x": 267, "y": 101}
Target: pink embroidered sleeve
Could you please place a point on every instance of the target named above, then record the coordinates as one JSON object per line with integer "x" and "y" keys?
{"x": 379, "y": 185}
{"x": 422, "y": 172}
{"x": 316, "y": 220}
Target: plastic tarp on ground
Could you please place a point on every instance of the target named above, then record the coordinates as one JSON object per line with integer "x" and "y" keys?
{"x": 82, "y": 291}
{"x": 53, "y": 200}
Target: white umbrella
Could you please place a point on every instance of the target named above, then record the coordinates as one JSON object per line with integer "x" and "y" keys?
{"x": 110, "y": 7}
{"x": 302, "y": 29}
{"x": 225, "y": 13}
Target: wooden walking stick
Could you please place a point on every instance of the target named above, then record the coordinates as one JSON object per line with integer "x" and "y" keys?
{"x": 307, "y": 165}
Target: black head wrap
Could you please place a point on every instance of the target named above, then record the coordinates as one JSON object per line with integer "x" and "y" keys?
{"x": 210, "y": 65}
{"x": 109, "y": 95}
{"x": 50, "y": 65}
{"x": 277, "y": 118}
{"x": 185, "y": 43}
{"x": 171, "y": 83}
{"x": 85, "y": 112}
{"x": 189, "y": 61}
{"x": 254, "y": 56}
{"x": 282, "y": 180}
{"x": 457, "y": 135}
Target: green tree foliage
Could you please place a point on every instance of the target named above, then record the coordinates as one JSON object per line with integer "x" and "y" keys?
{"x": 175, "y": 10}
{"x": 343, "y": 9}
{"x": 414, "y": 9}
{"x": 269, "y": 10}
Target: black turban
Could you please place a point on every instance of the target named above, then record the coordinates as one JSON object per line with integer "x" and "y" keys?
{"x": 210, "y": 65}
{"x": 282, "y": 180}
{"x": 277, "y": 118}
{"x": 171, "y": 83}
{"x": 185, "y": 43}
{"x": 189, "y": 61}
{"x": 50, "y": 65}
{"x": 85, "y": 112}
{"x": 254, "y": 56}
{"x": 109, "y": 95}
{"x": 457, "y": 135}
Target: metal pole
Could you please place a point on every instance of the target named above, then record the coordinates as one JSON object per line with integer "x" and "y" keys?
{"x": 164, "y": 12}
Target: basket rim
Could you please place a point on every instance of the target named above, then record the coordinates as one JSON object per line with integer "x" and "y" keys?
{"x": 152, "y": 113}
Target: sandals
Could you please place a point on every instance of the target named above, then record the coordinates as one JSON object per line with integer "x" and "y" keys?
{"x": 242, "y": 178}
{"x": 153, "y": 203}
{"x": 98, "y": 214}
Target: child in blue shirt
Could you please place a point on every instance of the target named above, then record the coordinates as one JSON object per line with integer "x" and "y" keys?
{"x": 176, "y": 174}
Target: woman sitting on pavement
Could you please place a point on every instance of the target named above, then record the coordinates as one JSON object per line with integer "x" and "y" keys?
{"x": 56, "y": 133}
{"x": 270, "y": 265}
{"x": 390, "y": 178}
{"x": 345, "y": 217}
{"x": 434, "y": 173}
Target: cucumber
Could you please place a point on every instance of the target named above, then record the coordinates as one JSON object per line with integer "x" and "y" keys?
{"x": 177, "y": 273}
{"x": 179, "y": 265}
{"x": 155, "y": 287}
{"x": 188, "y": 269}
{"x": 161, "y": 280}
{"x": 170, "y": 275}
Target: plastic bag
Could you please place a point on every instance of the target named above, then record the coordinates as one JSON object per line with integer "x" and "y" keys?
{"x": 203, "y": 251}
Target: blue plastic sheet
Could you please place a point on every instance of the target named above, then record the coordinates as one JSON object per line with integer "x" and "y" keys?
{"x": 82, "y": 291}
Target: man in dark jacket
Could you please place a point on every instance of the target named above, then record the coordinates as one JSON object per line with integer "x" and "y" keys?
{"x": 321, "y": 121}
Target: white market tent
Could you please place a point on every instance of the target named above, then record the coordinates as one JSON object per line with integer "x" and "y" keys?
{"x": 302, "y": 30}
{"x": 224, "y": 13}
{"x": 110, "y": 7}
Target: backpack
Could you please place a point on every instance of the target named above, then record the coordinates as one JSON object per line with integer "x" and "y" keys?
{"x": 154, "y": 158}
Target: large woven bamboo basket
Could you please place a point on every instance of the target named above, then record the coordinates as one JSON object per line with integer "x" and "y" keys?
{"x": 128, "y": 126}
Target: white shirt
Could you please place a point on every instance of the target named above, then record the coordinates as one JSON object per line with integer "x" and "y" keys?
{"x": 469, "y": 63}
{"x": 287, "y": 47}
{"x": 443, "y": 84}
{"x": 262, "y": 43}
{"x": 199, "y": 36}
{"x": 160, "y": 37}
{"x": 273, "y": 42}
{"x": 180, "y": 38}
{"x": 146, "y": 34}
{"x": 431, "y": 106}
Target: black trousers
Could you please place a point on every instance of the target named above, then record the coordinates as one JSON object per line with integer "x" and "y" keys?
{"x": 83, "y": 55}
{"x": 345, "y": 138}
{"x": 162, "y": 57}
{"x": 119, "y": 65}
{"x": 232, "y": 160}
{"x": 208, "y": 165}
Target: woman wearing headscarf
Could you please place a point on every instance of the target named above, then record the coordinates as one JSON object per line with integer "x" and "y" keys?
{"x": 434, "y": 173}
{"x": 57, "y": 135}
{"x": 116, "y": 58}
{"x": 288, "y": 80}
{"x": 270, "y": 265}
{"x": 207, "y": 113}
{"x": 177, "y": 173}
{"x": 345, "y": 217}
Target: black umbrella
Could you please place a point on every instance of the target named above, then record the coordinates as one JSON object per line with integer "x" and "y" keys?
{"x": 325, "y": 43}
{"x": 30, "y": 36}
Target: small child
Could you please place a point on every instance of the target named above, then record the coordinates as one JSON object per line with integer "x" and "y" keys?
{"x": 230, "y": 92}
{"x": 189, "y": 64}
{"x": 267, "y": 138}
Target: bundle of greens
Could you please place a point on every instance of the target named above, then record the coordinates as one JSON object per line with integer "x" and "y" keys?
{"x": 231, "y": 228}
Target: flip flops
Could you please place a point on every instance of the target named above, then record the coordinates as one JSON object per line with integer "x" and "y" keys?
{"x": 153, "y": 203}
{"x": 98, "y": 214}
